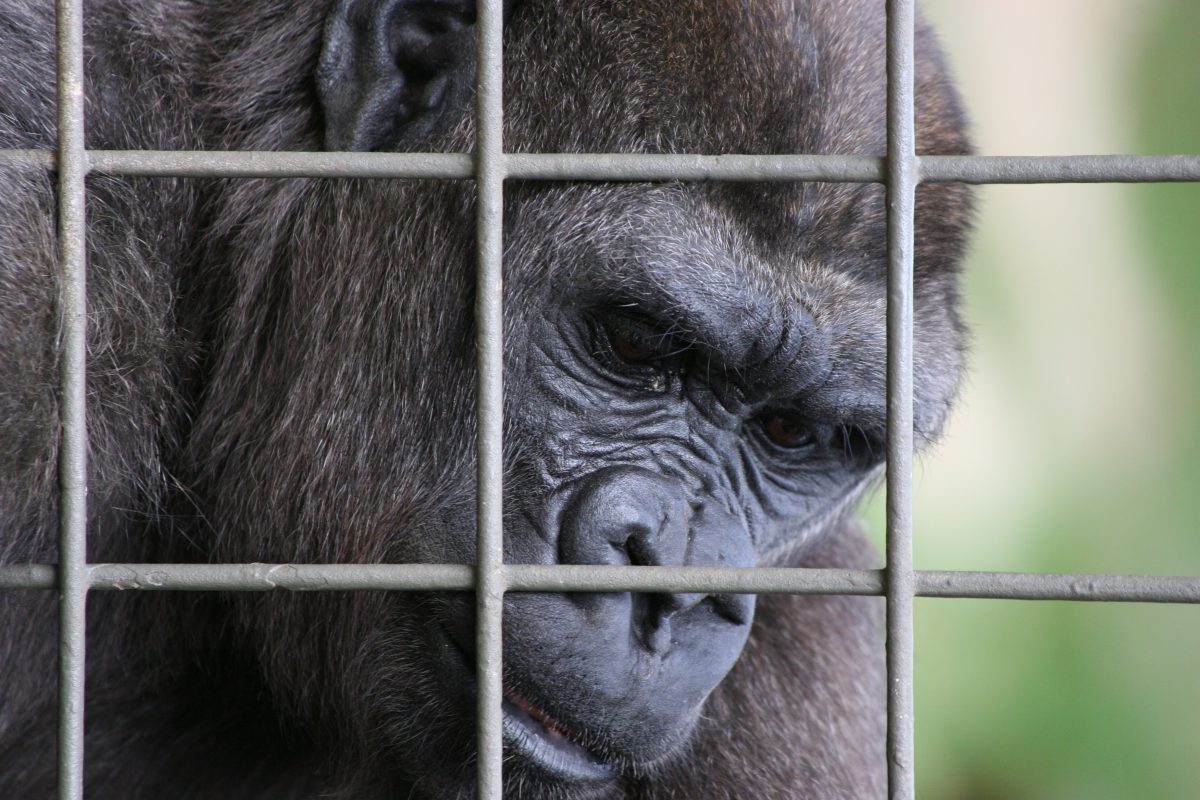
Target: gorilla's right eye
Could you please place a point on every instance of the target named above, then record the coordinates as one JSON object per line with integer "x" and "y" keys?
{"x": 633, "y": 349}
{"x": 638, "y": 343}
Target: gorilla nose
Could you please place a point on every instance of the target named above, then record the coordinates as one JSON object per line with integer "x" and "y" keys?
{"x": 625, "y": 515}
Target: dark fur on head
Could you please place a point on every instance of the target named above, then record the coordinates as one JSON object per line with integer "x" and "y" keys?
{"x": 282, "y": 371}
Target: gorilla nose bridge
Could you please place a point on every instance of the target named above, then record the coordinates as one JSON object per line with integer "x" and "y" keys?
{"x": 626, "y": 515}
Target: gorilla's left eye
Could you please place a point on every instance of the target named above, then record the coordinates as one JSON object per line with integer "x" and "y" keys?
{"x": 788, "y": 430}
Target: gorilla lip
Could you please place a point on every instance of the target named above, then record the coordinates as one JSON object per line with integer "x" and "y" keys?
{"x": 539, "y": 738}
{"x": 545, "y": 741}
{"x": 551, "y": 725}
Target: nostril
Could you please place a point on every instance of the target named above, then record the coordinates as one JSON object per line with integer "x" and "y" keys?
{"x": 670, "y": 604}
{"x": 639, "y": 546}
{"x": 656, "y": 615}
{"x": 736, "y": 608}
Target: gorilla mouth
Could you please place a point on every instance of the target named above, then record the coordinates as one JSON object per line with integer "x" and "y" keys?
{"x": 545, "y": 742}
{"x": 539, "y": 739}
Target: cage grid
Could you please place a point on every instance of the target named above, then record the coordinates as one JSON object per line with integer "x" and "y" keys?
{"x": 901, "y": 170}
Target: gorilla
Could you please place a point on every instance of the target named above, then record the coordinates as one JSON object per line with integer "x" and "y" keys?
{"x": 282, "y": 371}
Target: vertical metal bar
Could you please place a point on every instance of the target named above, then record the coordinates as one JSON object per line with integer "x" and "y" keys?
{"x": 489, "y": 176}
{"x": 901, "y": 582}
{"x": 72, "y": 543}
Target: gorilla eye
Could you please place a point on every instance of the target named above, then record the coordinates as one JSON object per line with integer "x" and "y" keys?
{"x": 788, "y": 430}
{"x": 639, "y": 343}
{"x": 633, "y": 349}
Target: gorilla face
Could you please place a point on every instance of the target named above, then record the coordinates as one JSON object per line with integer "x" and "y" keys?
{"x": 675, "y": 408}
{"x": 699, "y": 399}
{"x": 669, "y": 403}
{"x": 694, "y": 375}
{"x": 694, "y": 372}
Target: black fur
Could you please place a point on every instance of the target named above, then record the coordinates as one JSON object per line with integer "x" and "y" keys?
{"x": 282, "y": 371}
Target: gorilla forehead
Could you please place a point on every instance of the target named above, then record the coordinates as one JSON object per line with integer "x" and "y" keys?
{"x": 668, "y": 76}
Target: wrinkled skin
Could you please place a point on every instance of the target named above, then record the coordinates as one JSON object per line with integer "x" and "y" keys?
{"x": 282, "y": 371}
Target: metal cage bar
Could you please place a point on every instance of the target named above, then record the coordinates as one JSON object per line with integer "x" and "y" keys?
{"x": 901, "y": 215}
{"x": 489, "y": 590}
{"x": 901, "y": 171}
{"x": 72, "y": 541}
{"x": 625, "y": 166}
{"x": 1081, "y": 587}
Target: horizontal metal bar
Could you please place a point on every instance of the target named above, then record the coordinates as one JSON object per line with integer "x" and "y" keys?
{"x": 293, "y": 577}
{"x": 1060, "y": 169}
{"x": 261, "y": 164}
{"x": 623, "y": 167}
{"x": 1058, "y": 586}
{"x": 675, "y": 167}
{"x": 588, "y": 578}
{"x": 526, "y": 166}
{"x": 455, "y": 577}
{"x": 256, "y": 164}
{"x": 757, "y": 580}
{"x": 531, "y": 166}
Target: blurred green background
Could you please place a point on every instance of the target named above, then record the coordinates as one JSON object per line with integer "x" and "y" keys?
{"x": 1076, "y": 444}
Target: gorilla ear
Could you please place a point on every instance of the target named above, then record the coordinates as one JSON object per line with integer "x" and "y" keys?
{"x": 391, "y": 69}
